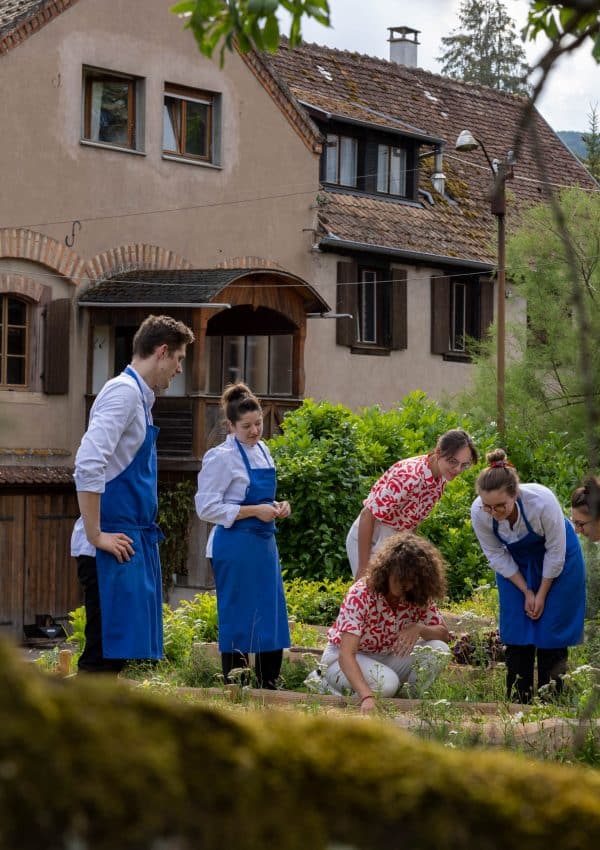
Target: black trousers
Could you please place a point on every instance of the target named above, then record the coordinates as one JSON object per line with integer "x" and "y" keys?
{"x": 267, "y": 666}
{"x": 92, "y": 658}
{"x": 520, "y": 663}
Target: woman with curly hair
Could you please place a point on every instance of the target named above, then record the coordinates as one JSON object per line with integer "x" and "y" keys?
{"x": 383, "y": 617}
{"x": 535, "y": 553}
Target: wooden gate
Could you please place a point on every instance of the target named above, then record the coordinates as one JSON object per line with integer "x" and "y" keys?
{"x": 37, "y": 573}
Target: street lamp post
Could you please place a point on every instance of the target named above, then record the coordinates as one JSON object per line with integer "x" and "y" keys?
{"x": 501, "y": 171}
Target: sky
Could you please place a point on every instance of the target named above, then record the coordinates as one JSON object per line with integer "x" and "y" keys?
{"x": 361, "y": 26}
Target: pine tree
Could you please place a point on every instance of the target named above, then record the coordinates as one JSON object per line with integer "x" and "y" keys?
{"x": 591, "y": 141}
{"x": 485, "y": 49}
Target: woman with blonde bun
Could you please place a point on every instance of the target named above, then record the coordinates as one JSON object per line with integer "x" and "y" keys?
{"x": 236, "y": 491}
{"x": 539, "y": 568}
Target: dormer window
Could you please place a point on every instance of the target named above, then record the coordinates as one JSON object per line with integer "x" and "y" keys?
{"x": 341, "y": 160}
{"x": 391, "y": 170}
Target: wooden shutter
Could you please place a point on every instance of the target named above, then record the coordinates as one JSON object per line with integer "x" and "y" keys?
{"x": 486, "y": 305}
{"x": 347, "y": 302}
{"x": 440, "y": 314}
{"x": 56, "y": 347}
{"x": 398, "y": 310}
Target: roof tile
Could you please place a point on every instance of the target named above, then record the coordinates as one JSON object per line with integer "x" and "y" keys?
{"x": 361, "y": 87}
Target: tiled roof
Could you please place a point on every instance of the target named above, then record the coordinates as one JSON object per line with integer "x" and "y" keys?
{"x": 186, "y": 286}
{"x": 26, "y": 475}
{"x": 354, "y": 86}
{"x": 20, "y": 18}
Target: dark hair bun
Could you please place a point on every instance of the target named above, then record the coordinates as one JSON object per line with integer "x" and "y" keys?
{"x": 236, "y": 392}
{"x": 495, "y": 456}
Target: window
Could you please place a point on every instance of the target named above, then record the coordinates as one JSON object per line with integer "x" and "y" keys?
{"x": 188, "y": 123}
{"x": 367, "y": 306}
{"x": 13, "y": 342}
{"x": 264, "y": 362}
{"x": 461, "y": 308}
{"x": 458, "y": 323}
{"x": 112, "y": 109}
{"x": 391, "y": 170}
{"x": 372, "y": 302}
{"x": 341, "y": 160}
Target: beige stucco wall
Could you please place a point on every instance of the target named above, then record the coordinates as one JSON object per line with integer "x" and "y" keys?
{"x": 361, "y": 380}
{"x": 257, "y": 204}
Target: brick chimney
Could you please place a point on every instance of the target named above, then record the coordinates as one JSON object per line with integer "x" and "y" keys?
{"x": 403, "y": 45}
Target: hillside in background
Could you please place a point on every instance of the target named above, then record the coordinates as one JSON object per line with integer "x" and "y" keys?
{"x": 574, "y": 141}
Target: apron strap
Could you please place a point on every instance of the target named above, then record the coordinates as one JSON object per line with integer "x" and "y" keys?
{"x": 526, "y": 521}
{"x": 131, "y": 372}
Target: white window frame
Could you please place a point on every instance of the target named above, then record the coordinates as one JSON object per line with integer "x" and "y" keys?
{"x": 341, "y": 160}
{"x": 391, "y": 170}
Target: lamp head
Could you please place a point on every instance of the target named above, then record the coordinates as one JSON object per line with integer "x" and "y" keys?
{"x": 466, "y": 142}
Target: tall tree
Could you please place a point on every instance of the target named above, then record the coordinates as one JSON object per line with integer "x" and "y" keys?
{"x": 591, "y": 141}
{"x": 545, "y": 390}
{"x": 485, "y": 48}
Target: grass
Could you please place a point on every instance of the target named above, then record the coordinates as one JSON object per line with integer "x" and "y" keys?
{"x": 441, "y": 714}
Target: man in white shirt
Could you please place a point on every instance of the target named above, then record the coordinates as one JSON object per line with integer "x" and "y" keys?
{"x": 115, "y": 540}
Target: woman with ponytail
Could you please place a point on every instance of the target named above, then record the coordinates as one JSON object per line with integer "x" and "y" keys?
{"x": 539, "y": 568}
{"x": 236, "y": 491}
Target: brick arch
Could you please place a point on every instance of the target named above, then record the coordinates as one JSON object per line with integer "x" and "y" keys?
{"x": 249, "y": 263}
{"x": 21, "y": 284}
{"x": 138, "y": 256}
{"x": 24, "y": 244}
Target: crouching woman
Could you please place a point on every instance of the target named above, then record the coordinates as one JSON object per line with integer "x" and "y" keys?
{"x": 385, "y": 617}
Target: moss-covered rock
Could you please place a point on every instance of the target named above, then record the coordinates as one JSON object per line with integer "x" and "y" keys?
{"x": 92, "y": 763}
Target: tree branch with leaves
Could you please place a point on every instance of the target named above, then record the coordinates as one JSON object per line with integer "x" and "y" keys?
{"x": 247, "y": 24}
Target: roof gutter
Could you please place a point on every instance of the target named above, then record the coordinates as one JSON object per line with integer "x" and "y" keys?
{"x": 170, "y": 304}
{"x": 405, "y": 130}
{"x": 330, "y": 243}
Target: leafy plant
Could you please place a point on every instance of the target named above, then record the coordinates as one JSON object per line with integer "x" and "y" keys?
{"x": 192, "y": 621}
{"x": 316, "y": 602}
{"x": 77, "y": 622}
{"x": 175, "y": 507}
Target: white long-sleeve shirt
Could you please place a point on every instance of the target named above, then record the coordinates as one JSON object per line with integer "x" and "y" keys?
{"x": 116, "y": 430}
{"x": 223, "y": 480}
{"x": 545, "y": 517}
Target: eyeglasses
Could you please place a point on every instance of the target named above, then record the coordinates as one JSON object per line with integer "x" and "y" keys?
{"x": 456, "y": 464}
{"x": 580, "y": 524}
{"x": 499, "y": 508}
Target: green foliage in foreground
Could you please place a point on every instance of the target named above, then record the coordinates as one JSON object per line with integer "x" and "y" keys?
{"x": 162, "y": 772}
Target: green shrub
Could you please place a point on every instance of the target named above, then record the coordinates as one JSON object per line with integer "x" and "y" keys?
{"x": 192, "y": 621}
{"x": 316, "y": 602}
{"x": 175, "y": 507}
{"x": 327, "y": 460}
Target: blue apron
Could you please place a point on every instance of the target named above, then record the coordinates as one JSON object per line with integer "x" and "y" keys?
{"x": 561, "y": 623}
{"x": 131, "y": 592}
{"x": 250, "y": 597}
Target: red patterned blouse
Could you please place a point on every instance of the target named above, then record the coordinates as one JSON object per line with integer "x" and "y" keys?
{"x": 405, "y": 494}
{"x": 369, "y": 616}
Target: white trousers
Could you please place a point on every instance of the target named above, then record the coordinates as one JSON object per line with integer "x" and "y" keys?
{"x": 385, "y": 673}
{"x": 380, "y": 533}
